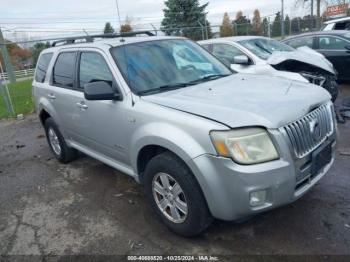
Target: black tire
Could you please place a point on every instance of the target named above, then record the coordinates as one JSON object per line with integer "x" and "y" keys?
{"x": 67, "y": 154}
{"x": 332, "y": 87}
{"x": 198, "y": 216}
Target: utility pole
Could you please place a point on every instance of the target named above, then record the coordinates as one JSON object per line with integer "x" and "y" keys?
{"x": 7, "y": 62}
{"x": 312, "y": 15}
{"x": 282, "y": 20}
{"x": 318, "y": 14}
{"x": 206, "y": 28}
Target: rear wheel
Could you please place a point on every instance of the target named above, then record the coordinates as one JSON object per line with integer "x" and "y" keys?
{"x": 175, "y": 195}
{"x": 57, "y": 143}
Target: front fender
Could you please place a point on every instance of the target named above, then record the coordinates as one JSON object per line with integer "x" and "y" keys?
{"x": 185, "y": 145}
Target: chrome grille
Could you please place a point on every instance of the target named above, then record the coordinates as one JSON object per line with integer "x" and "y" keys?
{"x": 307, "y": 133}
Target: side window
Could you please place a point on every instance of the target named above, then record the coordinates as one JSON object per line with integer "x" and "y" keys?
{"x": 93, "y": 67}
{"x": 42, "y": 66}
{"x": 331, "y": 43}
{"x": 226, "y": 53}
{"x": 342, "y": 26}
{"x": 303, "y": 41}
{"x": 64, "y": 70}
{"x": 347, "y": 26}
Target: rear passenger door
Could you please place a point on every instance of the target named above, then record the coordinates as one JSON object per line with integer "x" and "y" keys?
{"x": 62, "y": 92}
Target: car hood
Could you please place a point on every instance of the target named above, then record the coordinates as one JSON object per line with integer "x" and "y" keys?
{"x": 245, "y": 100}
{"x": 303, "y": 54}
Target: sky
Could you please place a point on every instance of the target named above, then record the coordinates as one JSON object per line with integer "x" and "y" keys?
{"x": 31, "y": 19}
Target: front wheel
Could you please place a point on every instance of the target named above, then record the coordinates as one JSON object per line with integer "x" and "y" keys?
{"x": 175, "y": 195}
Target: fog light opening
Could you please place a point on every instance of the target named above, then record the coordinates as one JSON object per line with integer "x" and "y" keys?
{"x": 257, "y": 198}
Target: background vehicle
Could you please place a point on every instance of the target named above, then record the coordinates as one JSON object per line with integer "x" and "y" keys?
{"x": 334, "y": 45}
{"x": 261, "y": 55}
{"x": 337, "y": 24}
{"x": 204, "y": 142}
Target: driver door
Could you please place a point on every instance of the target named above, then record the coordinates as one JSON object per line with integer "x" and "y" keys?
{"x": 101, "y": 124}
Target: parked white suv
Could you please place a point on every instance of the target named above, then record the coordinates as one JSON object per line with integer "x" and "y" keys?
{"x": 205, "y": 142}
{"x": 337, "y": 24}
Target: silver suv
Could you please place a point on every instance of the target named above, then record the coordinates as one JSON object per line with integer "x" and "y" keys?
{"x": 204, "y": 141}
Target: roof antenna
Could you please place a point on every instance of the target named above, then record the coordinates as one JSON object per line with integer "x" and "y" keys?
{"x": 88, "y": 38}
{"x": 123, "y": 41}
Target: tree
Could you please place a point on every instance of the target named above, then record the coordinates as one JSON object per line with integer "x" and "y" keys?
{"x": 242, "y": 24}
{"x": 265, "y": 27}
{"x": 184, "y": 17}
{"x": 226, "y": 28}
{"x": 36, "y": 50}
{"x": 308, "y": 23}
{"x": 108, "y": 28}
{"x": 319, "y": 4}
{"x": 276, "y": 26}
{"x": 126, "y": 27}
{"x": 19, "y": 57}
{"x": 256, "y": 23}
{"x": 296, "y": 25}
{"x": 287, "y": 25}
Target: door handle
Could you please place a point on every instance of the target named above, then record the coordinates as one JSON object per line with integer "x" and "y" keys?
{"x": 82, "y": 105}
{"x": 51, "y": 96}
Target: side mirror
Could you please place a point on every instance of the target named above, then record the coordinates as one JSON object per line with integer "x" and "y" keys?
{"x": 241, "y": 60}
{"x": 100, "y": 90}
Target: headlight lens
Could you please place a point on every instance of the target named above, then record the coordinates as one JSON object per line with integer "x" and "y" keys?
{"x": 245, "y": 146}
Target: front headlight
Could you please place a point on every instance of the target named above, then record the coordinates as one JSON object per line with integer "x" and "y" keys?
{"x": 245, "y": 146}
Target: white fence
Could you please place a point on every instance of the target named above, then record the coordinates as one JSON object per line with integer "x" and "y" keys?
{"x": 26, "y": 73}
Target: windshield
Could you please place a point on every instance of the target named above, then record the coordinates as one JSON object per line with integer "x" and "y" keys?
{"x": 263, "y": 47}
{"x": 166, "y": 64}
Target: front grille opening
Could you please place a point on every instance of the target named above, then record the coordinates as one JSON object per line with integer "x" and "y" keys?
{"x": 306, "y": 181}
{"x": 301, "y": 133}
{"x": 302, "y": 183}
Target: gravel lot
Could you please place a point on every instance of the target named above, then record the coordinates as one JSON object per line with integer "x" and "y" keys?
{"x": 87, "y": 207}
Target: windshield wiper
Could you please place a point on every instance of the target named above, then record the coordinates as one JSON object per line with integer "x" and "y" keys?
{"x": 164, "y": 88}
{"x": 181, "y": 85}
{"x": 208, "y": 77}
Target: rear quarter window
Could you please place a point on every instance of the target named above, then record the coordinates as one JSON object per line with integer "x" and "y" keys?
{"x": 41, "y": 67}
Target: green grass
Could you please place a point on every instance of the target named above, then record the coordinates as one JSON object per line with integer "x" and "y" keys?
{"x": 21, "y": 96}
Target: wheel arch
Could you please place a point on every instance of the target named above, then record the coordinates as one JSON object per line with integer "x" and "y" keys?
{"x": 43, "y": 116}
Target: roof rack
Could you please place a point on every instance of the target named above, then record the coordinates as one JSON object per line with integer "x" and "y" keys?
{"x": 90, "y": 38}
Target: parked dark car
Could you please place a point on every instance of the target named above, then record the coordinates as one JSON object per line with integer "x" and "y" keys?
{"x": 334, "y": 45}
